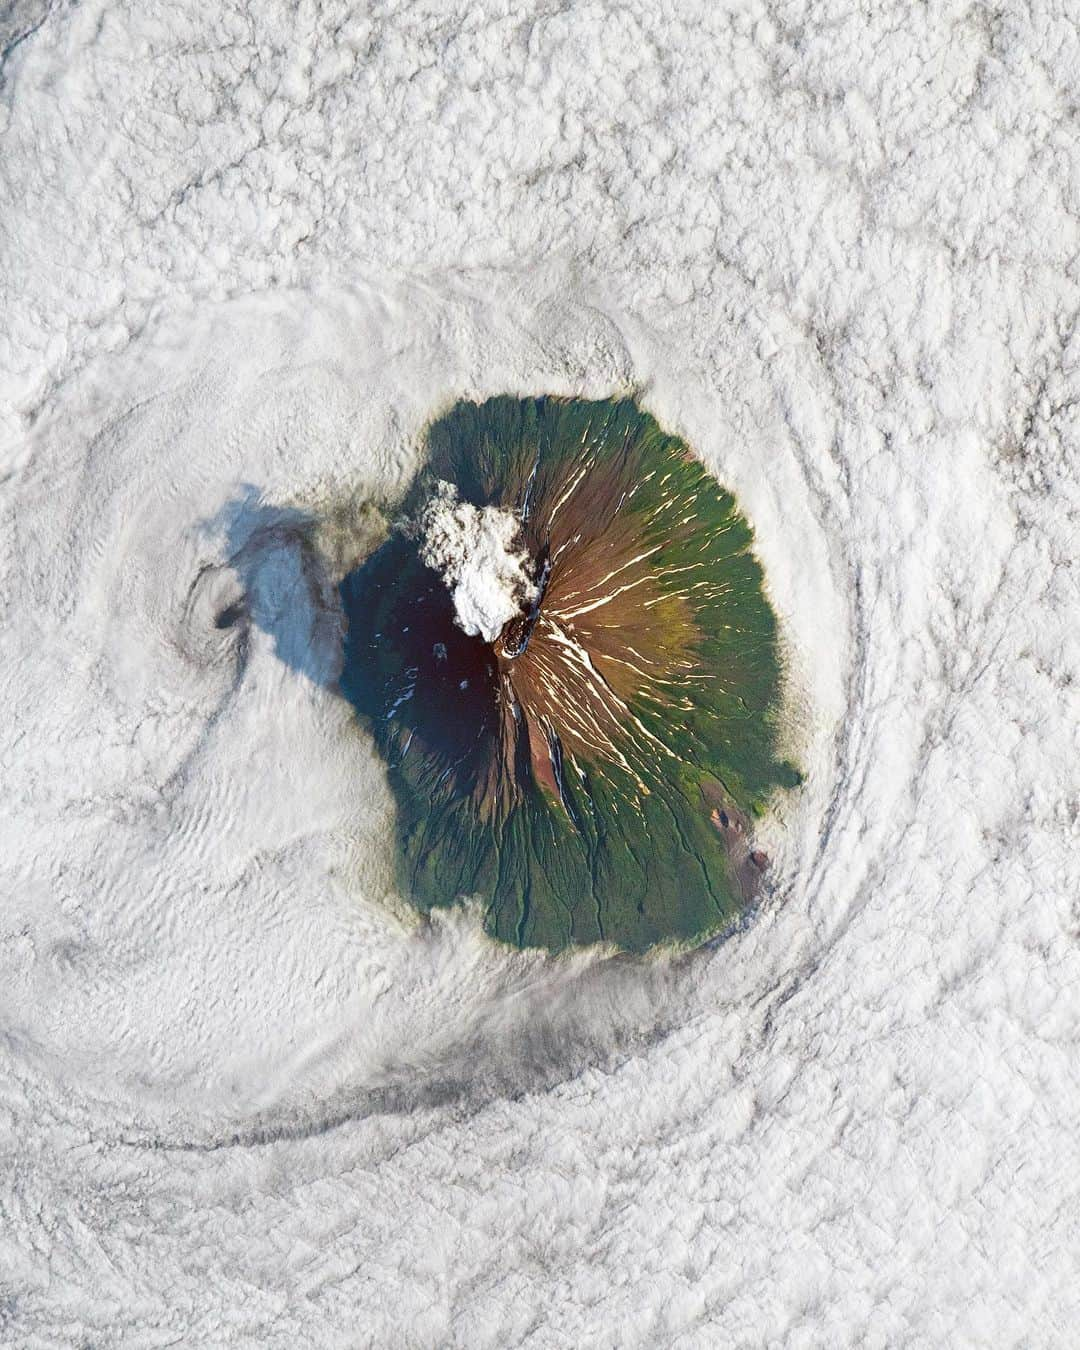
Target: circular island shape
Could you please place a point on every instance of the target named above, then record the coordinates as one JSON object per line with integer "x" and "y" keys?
{"x": 566, "y": 656}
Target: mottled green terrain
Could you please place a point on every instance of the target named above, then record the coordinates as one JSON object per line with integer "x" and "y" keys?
{"x": 593, "y": 774}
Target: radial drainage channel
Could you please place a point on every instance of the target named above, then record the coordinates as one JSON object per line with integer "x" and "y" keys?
{"x": 566, "y": 656}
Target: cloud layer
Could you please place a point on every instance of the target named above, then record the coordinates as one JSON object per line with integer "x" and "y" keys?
{"x": 249, "y": 253}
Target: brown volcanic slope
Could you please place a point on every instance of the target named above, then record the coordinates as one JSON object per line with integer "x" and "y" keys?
{"x": 606, "y": 634}
{"x": 578, "y": 771}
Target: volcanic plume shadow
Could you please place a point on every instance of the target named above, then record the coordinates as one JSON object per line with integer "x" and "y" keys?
{"x": 281, "y": 584}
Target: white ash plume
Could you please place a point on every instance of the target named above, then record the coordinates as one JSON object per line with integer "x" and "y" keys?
{"x": 476, "y": 550}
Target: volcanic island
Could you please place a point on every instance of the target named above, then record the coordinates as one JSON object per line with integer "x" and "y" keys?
{"x": 567, "y": 658}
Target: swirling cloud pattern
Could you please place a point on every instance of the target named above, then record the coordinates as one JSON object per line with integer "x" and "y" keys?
{"x": 245, "y": 1096}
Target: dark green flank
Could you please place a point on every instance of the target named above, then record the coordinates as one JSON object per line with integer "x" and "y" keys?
{"x": 592, "y": 775}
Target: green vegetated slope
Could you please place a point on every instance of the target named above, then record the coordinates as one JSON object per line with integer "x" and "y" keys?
{"x": 600, "y": 786}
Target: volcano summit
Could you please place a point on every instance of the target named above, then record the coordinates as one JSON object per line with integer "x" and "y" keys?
{"x": 567, "y": 658}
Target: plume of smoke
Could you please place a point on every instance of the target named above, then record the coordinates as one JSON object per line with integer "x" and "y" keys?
{"x": 476, "y": 548}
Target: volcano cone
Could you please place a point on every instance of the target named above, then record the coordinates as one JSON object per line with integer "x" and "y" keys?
{"x": 586, "y": 745}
